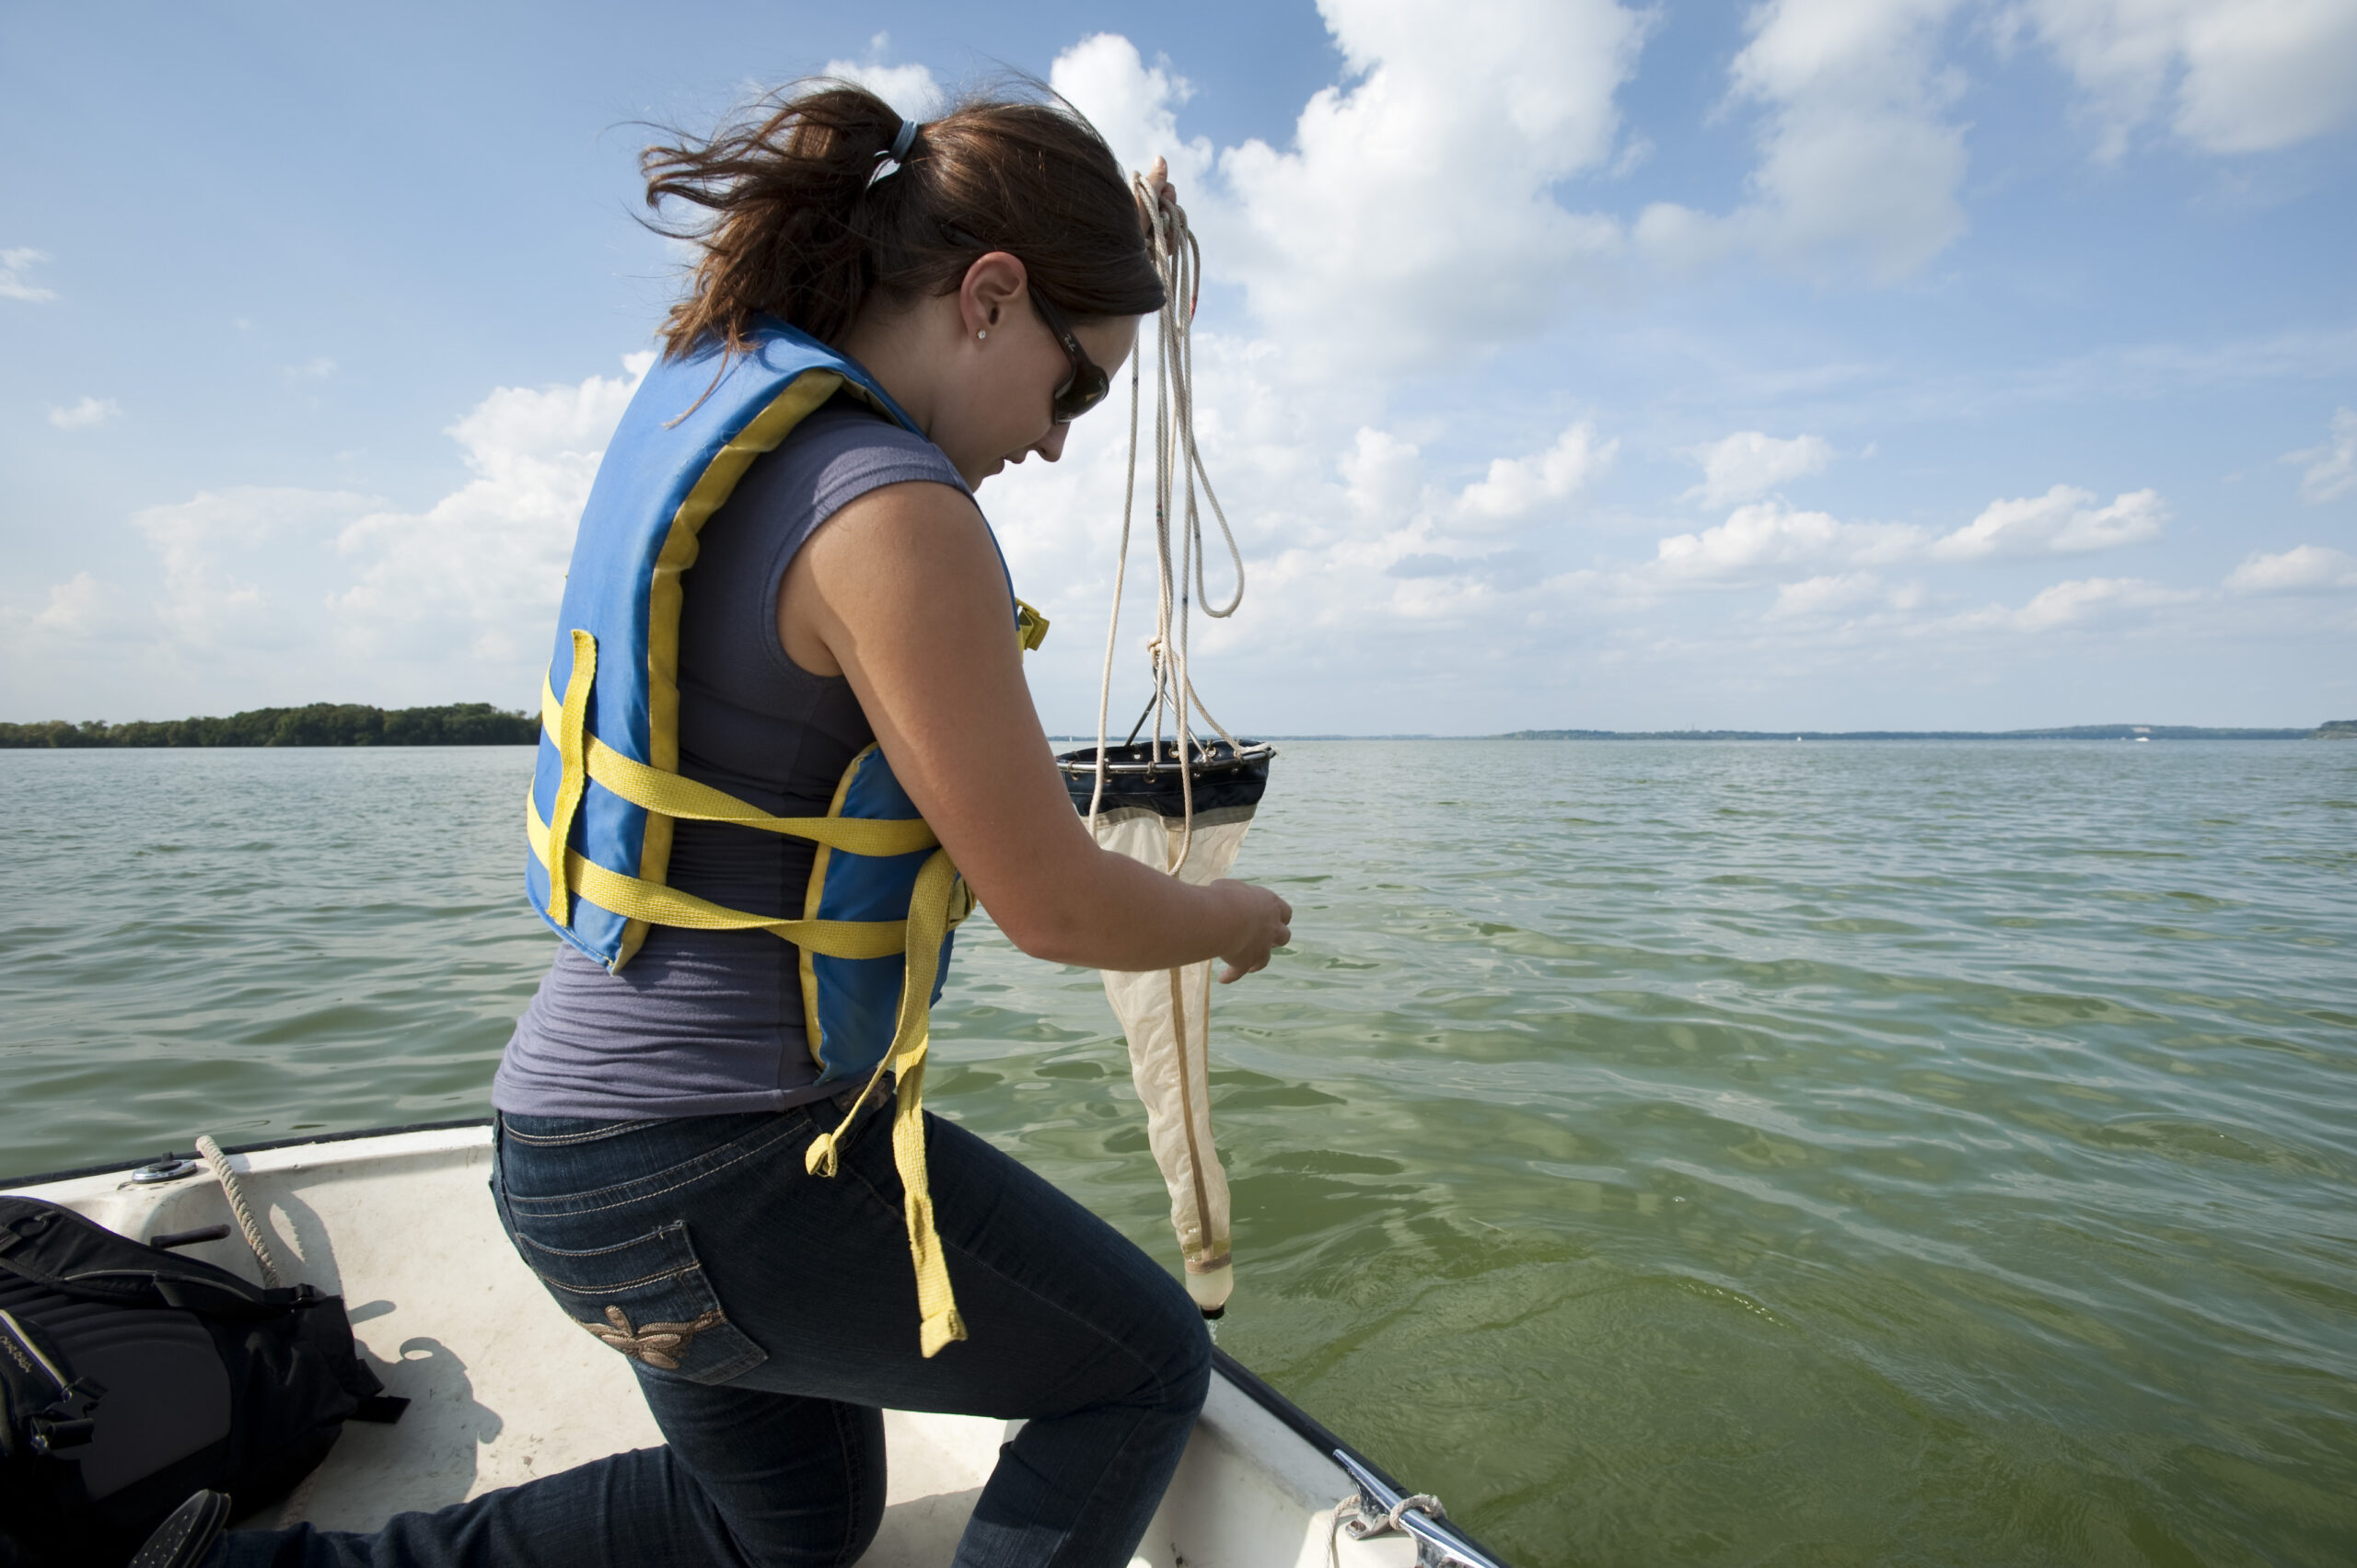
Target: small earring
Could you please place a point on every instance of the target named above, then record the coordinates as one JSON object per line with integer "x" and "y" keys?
{"x": 984, "y": 333}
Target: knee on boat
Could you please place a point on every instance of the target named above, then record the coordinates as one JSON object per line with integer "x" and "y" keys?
{"x": 1183, "y": 1370}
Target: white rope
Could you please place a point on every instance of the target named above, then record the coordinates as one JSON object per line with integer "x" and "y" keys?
{"x": 1120, "y": 577}
{"x": 1353, "y": 1513}
{"x": 1178, "y": 470}
{"x": 236, "y": 1194}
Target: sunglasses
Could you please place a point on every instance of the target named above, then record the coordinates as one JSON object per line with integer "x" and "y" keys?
{"x": 1088, "y": 383}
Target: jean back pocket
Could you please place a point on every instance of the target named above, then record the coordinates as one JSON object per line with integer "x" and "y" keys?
{"x": 649, "y": 1299}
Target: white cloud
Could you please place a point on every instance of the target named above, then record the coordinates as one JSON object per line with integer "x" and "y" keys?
{"x": 2332, "y": 468}
{"x": 14, "y": 284}
{"x": 1833, "y": 593}
{"x": 277, "y": 587}
{"x": 909, "y": 88}
{"x": 318, "y": 369}
{"x": 2228, "y": 76}
{"x": 1857, "y": 163}
{"x": 1769, "y": 538}
{"x": 1516, "y": 487}
{"x": 1383, "y": 475}
{"x": 2085, "y": 599}
{"x": 477, "y": 574}
{"x": 1364, "y": 567}
{"x": 83, "y": 415}
{"x": 78, "y": 608}
{"x": 237, "y": 564}
{"x": 1414, "y": 220}
{"x": 2062, "y": 521}
{"x": 2306, "y": 568}
{"x": 1749, "y": 464}
{"x": 1135, "y": 108}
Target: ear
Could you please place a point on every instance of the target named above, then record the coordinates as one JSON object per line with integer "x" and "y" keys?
{"x": 994, "y": 285}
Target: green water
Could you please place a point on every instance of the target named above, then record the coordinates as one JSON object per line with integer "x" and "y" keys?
{"x": 1668, "y": 1154}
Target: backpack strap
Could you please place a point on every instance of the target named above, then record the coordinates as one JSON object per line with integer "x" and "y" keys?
{"x": 49, "y": 1244}
{"x": 53, "y": 1407}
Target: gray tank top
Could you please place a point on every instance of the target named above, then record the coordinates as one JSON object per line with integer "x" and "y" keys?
{"x": 705, "y": 1023}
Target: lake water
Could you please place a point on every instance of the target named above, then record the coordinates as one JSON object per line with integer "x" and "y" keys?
{"x": 1687, "y": 1152}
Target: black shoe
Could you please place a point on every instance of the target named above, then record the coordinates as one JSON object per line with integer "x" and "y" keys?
{"x": 183, "y": 1540}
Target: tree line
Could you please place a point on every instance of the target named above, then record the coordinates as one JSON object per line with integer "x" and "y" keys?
{"x": 316, "y": 724}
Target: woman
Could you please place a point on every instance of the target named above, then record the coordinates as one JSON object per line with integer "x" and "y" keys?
{"x": 658, "y": 1118}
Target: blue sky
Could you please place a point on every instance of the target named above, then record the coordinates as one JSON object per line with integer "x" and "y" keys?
{"x": 1829, "y": 362}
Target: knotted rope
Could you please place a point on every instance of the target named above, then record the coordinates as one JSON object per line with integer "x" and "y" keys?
{"x": 1352, "y": 1514}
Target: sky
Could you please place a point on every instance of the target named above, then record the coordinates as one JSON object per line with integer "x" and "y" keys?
{"x": 1824, "y": 364}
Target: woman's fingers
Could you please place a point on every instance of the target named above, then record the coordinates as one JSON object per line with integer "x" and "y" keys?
{"x": 1268, "y": 925}
{"x": 1157, "y": 180}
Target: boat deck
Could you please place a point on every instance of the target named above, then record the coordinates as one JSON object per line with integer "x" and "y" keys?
{"x": 503, "y": 1389}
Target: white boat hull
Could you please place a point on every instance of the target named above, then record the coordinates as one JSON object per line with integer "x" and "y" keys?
{"x": 503, "y": 1388}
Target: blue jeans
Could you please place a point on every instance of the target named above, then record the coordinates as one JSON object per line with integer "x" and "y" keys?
{"x": 770, "y": 1316}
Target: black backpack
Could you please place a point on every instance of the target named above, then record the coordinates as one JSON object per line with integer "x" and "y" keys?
{"x": 131, "y": 1377}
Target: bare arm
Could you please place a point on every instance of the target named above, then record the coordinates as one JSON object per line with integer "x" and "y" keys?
{"x": 901, "y": 592}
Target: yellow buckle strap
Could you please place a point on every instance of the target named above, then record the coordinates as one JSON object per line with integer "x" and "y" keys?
{"x": 572, "y": 721}
{"x": 671, "y": 795}
{"x": 934, "y": 908}
{"x": 658, "y": 905}
{"x": 1030, "y": 627}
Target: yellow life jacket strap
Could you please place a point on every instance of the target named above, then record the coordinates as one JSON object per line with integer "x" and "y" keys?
{"x": 635, "y": 899}
{"x": 570, "y": 718}
{"x": 671, "y": 795}
{"x": 938, "y": 902}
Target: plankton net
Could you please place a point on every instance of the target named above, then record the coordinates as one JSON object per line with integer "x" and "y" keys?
{"x": 1181, "y": 802}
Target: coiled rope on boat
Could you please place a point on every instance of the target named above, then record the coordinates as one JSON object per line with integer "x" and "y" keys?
{"x": 236, "y": 1194}
{"x": 298, "y": 1502}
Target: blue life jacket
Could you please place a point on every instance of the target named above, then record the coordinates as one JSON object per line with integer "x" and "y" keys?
{"x": 883, "y": 900}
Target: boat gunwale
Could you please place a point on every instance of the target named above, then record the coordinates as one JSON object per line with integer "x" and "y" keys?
{"x": 124, "y": 1167}
{"x": 1250, "y": 1384}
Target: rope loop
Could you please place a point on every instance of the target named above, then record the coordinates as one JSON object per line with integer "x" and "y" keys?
{"x": 1351, "y": 1516}
{"x": 1179, "y": 552}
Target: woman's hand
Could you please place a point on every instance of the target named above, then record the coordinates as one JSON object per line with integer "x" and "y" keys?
{"x": 1263, "y": 920}
{"x": 1165, "y": 195}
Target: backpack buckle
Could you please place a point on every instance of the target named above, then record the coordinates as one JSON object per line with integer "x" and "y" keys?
{"x": 50, "y": 1436}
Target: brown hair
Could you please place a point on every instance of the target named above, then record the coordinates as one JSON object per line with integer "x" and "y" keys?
{"x": 799, "y": 226}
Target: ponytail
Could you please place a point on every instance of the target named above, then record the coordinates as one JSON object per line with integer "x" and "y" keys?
{"x": 797, "y": 224}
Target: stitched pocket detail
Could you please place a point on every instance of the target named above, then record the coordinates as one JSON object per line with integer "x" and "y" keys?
{"x": 669, "y": 1180}
{"x": 586, "y": 1133}
{"x": 649, "y": 1299}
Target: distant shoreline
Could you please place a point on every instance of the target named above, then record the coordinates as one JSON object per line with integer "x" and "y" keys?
{"x": 2345, "y": 729}
{"x": 315, "y": 724}
{"x": 480, "y": 724}
{"x": 2342, "y": 729}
